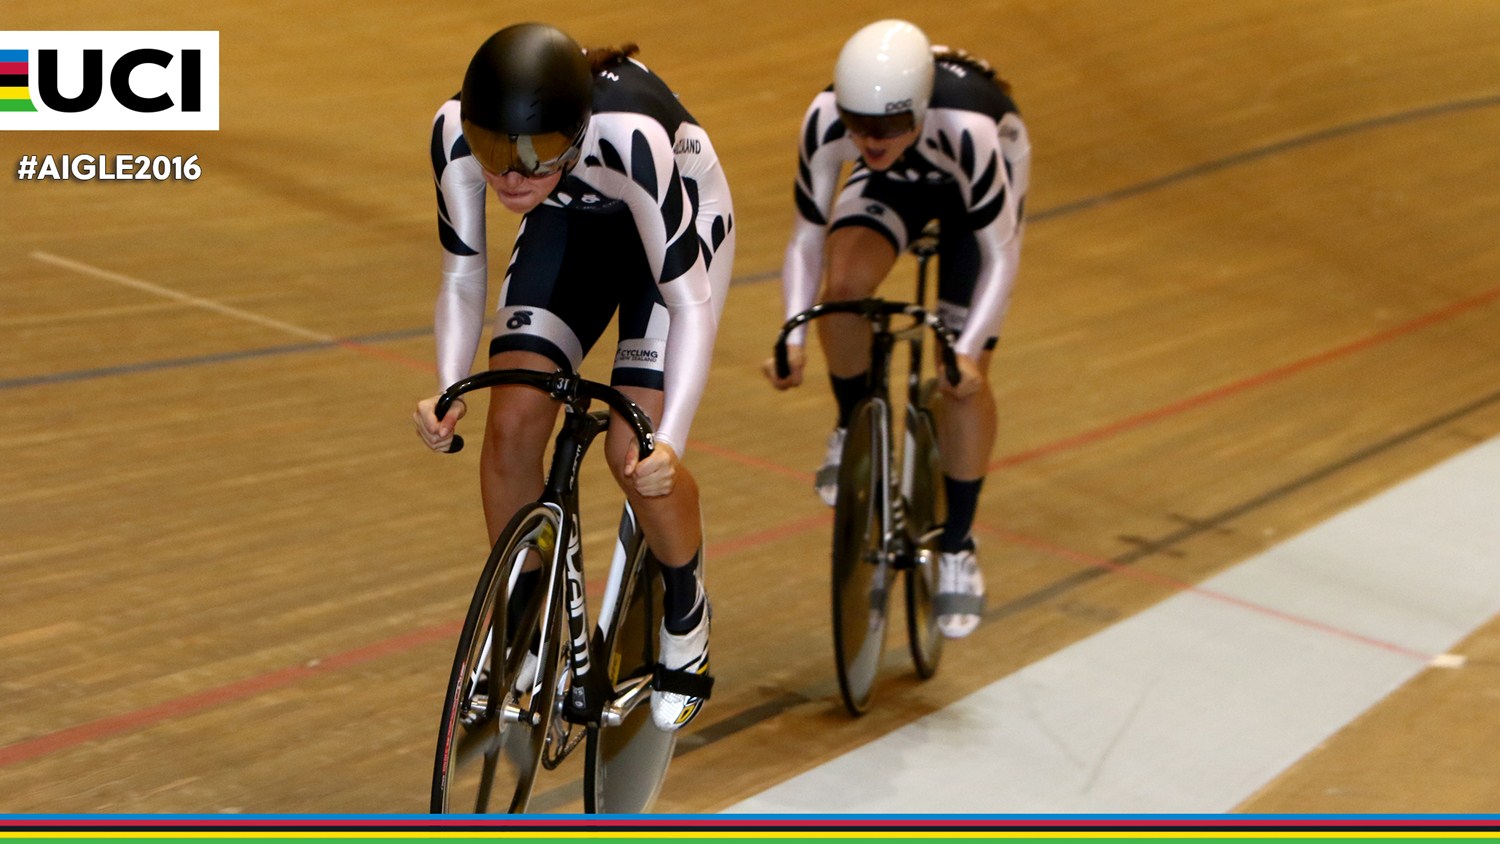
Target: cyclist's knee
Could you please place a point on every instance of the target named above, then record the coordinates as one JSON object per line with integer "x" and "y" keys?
{"x": 517, "y": 426}
{"x": 858, "y": 260}
{"x": 844, "y": 286}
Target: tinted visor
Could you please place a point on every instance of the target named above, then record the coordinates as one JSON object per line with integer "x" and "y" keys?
{"x": 529, "y": 155}
{"x": 878, "y": 126}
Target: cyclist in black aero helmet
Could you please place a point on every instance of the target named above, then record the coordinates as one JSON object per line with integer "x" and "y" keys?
{"x": 625, "y": 208}
{"x": 526, "y": 101}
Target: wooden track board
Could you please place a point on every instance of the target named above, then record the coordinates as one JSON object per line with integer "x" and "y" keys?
{"x": 1259, "y": 285}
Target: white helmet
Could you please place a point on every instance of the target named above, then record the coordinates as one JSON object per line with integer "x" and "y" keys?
{"x": 884, "y": 71}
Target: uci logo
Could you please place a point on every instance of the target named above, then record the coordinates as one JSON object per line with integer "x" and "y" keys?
{"x": 109, "y": 81}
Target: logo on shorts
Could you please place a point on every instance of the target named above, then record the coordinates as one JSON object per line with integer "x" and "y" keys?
{"x": 876, "y": 210}
{"x": 518, "y": 320}
{"x": 636, "y": 356}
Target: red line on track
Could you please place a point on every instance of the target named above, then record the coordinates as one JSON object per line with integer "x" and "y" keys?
{"x": 129, "y": 721}
{"x": 383, "y": 354}
{"x": 137, "y": 719}
{"x": 1244, "y": 384}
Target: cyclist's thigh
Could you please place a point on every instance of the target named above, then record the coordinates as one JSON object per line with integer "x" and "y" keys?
{"x": 621, "y": 438}
{"x": 640, "y": 356}
{"x": 557, "y": 299}
{"x": 672, "y": 523}
{"x": 858, "y": 260}
{"x": 873, "y": 221}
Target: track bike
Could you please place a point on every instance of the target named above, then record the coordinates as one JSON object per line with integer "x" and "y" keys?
{"x": 890, "y": 509}
{"x": 531, "y": 681}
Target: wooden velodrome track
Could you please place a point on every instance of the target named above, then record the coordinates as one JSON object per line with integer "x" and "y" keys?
{"x": 1261, "y": 283}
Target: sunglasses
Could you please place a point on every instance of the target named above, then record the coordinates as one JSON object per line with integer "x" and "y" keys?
{"x": 532, "y": 156}
{"x": 878, "y": 126}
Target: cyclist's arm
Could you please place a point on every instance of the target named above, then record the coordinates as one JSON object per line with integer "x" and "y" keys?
{"x": 690, "y": 346}
{"x": 665, "y": 216}
{"x": 802, "y": 272}
{"x": 822, "y": 149}
{"x": 994, "y": 187}
{"x": 458, "y": 317}
{"x": 999, "y": 259}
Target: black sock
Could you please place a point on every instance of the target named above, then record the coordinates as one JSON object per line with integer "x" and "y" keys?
{"x": 683, "y": 595}
{"x": 847, "y": 392}
{"x": 963, "y": 500}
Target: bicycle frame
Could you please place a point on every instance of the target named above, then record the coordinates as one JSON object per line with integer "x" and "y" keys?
{"x": 883, "y": 340}
{"x": 886, "y": 517}
{"x": 590, "y": 702}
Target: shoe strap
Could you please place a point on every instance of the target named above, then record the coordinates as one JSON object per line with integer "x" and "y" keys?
{"x": 958, "y": 603}
{"x": 680, "y": 682}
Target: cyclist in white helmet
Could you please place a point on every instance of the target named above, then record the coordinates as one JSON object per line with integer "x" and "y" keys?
{"x": 933, "y": 134}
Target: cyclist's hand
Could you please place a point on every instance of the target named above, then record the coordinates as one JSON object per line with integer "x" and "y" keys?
{"x": 970, "y": 381}
{"x": 437, "y": 435}
{"x": 656, "y": 475}
{"x": 798, "y": 360}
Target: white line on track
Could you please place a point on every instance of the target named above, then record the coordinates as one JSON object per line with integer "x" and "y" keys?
{"x": 195, "y": 301}
{"x": 1193, "y": 705}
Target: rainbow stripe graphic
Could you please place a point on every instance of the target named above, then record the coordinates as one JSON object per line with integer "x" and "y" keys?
{"x": 15, "y": 81}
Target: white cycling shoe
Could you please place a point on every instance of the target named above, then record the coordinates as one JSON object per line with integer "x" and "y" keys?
{"x": 960, "y": 597}
{"x": 682, "y": 680}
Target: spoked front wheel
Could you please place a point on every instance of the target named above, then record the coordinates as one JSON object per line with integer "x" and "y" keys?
{"x": 860, "y": 569}
{"x": 497, "y": 710}
{"x": 926, "y": 512}
{"x": 627, "y": 761}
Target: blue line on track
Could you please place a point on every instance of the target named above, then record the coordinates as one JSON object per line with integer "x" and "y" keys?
{"x": 1084, "y": 204}
{"x": 199, "y": 360}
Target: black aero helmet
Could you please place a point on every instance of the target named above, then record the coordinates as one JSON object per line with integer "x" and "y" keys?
{"x": 526, "y": 100}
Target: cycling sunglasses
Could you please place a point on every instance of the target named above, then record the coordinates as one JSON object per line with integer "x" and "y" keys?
{"x": 878, "y": 126}
{"x": 532, "y": 156}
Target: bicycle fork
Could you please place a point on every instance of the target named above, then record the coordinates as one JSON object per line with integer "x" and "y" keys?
{"x": 577, "y": 614}
{"x": 591, "y": 700}
{"x": 895, "y": 544}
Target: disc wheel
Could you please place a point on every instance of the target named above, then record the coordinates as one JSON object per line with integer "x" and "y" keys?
{"x": 626, "y": 764}
{"x": 860, "y": 572}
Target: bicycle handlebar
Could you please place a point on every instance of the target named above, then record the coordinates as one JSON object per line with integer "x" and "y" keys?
{"x": 566, "y": 387}
{"x": 870, "y": 309}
